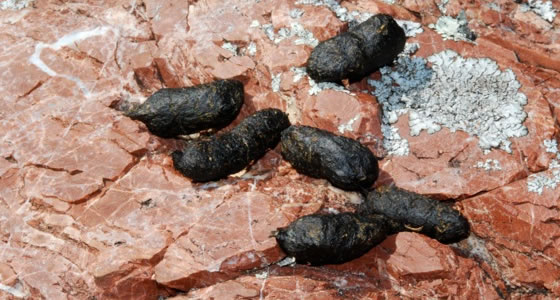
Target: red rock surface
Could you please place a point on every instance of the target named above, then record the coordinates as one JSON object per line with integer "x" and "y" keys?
{"x": 91, "y": 207}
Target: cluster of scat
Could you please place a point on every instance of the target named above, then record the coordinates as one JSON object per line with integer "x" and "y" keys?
{"x": 447, "y": 90}
{"x": 536, "y": 183}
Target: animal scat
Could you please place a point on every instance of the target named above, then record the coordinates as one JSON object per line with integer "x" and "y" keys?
{"x": 344, "y": 162}
{"x": 358, "y": 52}
{"x": 170, "y": 112}
{"x": 331, "y": 239}
{"x": 409, "y": 211}
{"x": 218, "y": 156}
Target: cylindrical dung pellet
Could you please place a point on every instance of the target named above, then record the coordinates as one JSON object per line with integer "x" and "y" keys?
{"x": 413, "y": 212}
{"x": 216, "y": 157}
{"x": 357, "y": 52}
{"x": 331, "y": 239}
{"x": 178, "y": 111}
{"x": 344, "y": 162}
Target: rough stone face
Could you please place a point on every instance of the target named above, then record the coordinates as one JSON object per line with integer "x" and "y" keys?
{"x": 90, "y": 205}
{"x": 216, "y": 248}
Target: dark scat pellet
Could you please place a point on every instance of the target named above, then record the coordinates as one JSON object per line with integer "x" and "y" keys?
{"x": 216, "y": 157}
{"x": 176, "y": 111}
{"x": 358, "y": 52}
{"x": 344, "y": 162}
{"x": 331, "y": 239}
{"x": 413, "y": 212}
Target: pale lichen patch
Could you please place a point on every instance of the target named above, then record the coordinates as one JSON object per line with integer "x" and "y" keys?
{"x": 467, "y": 94}
{"x": 316, "y": 87}
{"x": 340, "y": 11}
{"x": 251, "y": 49}
{"x": 15, "y": 4}
{"x": 538, "y": 182}
{"x": 276, "y": 80}
{"x": 305, "y": 37}
{"x": 348, "y": 126}
{"x": 411, "y": 29}
{"x": 544, "y": 9}
{"x": 550, "y": 146}
{"x": 456, "y": 29}
{"x": 230, "y": 47}
{"x": 488, "y": 165}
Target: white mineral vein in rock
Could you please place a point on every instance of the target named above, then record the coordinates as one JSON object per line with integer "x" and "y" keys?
{"x": 467, "y": 94}
{"x": 67, "y": 40}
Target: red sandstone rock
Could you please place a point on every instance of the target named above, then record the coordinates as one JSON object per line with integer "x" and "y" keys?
{"x": 351, "y": 115}
{"x": 90, "y": 205}
{"x": 520, "y": 235}
{"x": 218, "y": 247}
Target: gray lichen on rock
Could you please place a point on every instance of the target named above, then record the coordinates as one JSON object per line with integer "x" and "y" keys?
{"x": 488, "y": 165}
{"x": 536, "y": 183}
{"x": 316, "y": 87}
{"x": 411, "y": 28}
{"x": 15, "y": 4}
{"x": 551, "y": 146}
{"x": 276, "y": 80}
{"x": 340, "y": 11}
{"x": 456, "y": 29}
{"x": 305, "y": 37}
{"x": 231, "y": 48}
{"x": 468, "y": 94}
{"x": 543, "y": 9}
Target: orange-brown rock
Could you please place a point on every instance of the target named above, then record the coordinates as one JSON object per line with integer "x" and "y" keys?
{"x": 91, "y": 207}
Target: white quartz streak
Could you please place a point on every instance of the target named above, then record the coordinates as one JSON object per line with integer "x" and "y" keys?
{"x": 65, "y": 41}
